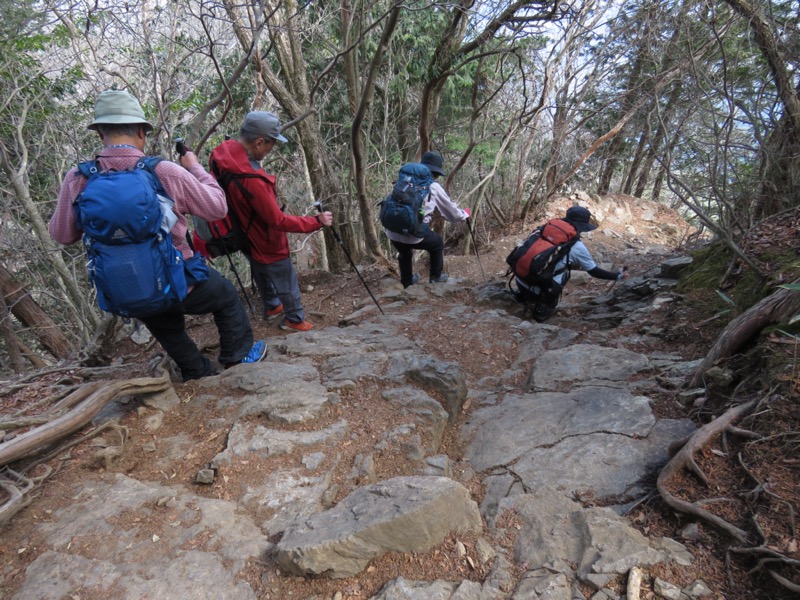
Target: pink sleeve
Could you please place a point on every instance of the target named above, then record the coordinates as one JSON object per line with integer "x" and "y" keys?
{"x": 195, "y": 192}
{"x": 62, "y": 226}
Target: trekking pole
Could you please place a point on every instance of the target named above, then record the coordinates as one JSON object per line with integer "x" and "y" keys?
{"x": 474, "y": 245}
{"x": 180, "y": 148}
{"x": 236, "y": 273}
{"x": 621, "y": 271}
{"x": 338, "y": 239}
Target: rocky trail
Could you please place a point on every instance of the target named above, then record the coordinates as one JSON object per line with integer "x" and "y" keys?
{"x": 449, "y": 449}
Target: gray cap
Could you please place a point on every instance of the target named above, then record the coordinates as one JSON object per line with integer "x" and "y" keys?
{"x": 117, "y": 107}
{"x": 263, "y": 124}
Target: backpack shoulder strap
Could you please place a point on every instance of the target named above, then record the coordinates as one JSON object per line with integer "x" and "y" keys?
{"x": 149, "y": 163}
{"x": 89, "y": 168}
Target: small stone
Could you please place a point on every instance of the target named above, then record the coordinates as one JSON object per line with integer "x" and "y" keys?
{"x": 667, "y": 590}
{"x": 691, "y": 532}
{"x": 337, "y": 596}
{"x": 697, "y": 589}
{"x": 149, "y": 447}
{"x": 485, "y": 551}
{"x": 205, "y": 476}
{"x": 461, "y": 549}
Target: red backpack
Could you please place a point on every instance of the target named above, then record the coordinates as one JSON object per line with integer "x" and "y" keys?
{"x": 534, "y": 261}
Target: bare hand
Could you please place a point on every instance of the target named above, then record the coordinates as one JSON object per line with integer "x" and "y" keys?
{"x": 326, "y": 218}
{"x": 188, "y": 160}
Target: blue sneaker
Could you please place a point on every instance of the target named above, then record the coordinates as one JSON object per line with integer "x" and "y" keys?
{"x": 257, "y": 353}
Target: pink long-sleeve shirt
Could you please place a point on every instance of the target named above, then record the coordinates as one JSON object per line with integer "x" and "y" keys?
{"x": 194, "y": 191}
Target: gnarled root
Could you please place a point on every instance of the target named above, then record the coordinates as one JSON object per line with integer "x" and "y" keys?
{"x": 684, "y": 459}
{"x": 17, "y": 487}
{"x": 89, "y": 400}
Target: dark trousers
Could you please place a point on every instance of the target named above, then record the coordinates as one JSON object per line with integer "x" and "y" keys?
{"x": 433, "y": 243}
{"x": 217, "y": 296}
{"x": 277, "y": 284}
{"x": 541, "y": 300}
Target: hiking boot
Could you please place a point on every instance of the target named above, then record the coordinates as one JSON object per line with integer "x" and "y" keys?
{"x": 414, "y": 280}
{"x": 271, "y": 313}
{"x": 440, "y": 278}
{"x": 257, "y": 353}
{"x": 288, "y": 325}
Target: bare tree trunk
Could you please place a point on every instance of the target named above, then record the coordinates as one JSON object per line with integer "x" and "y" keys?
{"x": 644, "y": 138}
{"x": 782, "y": 179}
{"x": 31, "y": 315}
{"x": 9, "y": 335}
{"x": 18, "y": 175}
{"x": 778, "y": 307}
{"x": 450, "y": 52}
{"x": 364, "y": 103}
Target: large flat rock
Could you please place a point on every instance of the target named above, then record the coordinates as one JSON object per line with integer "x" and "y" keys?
{"x": 593, "y": 439}
{"x": 94, "y": 545}
{"x": 580, "y": 364}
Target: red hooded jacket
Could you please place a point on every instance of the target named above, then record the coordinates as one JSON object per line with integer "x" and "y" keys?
{"x": 267, "y": 231}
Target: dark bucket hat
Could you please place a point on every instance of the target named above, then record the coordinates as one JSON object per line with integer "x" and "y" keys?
{"x": 580, "y": 218}
{"x": 434, "y": 162}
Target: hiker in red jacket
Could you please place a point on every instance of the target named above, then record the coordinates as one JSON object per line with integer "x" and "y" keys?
{"x": 256, "y": 205}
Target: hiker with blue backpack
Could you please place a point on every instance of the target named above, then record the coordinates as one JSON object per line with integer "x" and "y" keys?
{"x": 252, "y": 194}
{"x": 406, "y": 215}
{"x": 541, "y": 265}
{"x": 130, "y": 210}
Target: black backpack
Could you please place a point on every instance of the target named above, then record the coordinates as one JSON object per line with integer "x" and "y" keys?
{"x": 227, "y": 235}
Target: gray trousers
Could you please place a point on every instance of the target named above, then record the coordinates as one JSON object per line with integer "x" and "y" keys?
{"x": 277, "y": 284}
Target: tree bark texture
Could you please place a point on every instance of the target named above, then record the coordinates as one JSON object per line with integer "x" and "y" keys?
{"x": 364, "y": 99}
{"x": 9, "y": 335}
{"x": 780, "y": 190}
{"x": 31, "y": 315}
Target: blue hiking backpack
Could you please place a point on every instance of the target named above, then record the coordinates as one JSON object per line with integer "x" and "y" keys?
{"x": 126, "y": 217}
{"x": 403, "y": 211}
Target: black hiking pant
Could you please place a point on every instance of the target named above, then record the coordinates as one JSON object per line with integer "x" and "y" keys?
{"x": 433, "y": 243}
{"x": 217, "y": 296}
{"x": 542, "y": 301}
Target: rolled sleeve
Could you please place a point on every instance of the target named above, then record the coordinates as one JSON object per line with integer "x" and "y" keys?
{"x": 449, "y": 209}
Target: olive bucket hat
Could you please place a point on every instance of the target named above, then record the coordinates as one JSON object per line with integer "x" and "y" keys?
{"x": 117, "y": 107}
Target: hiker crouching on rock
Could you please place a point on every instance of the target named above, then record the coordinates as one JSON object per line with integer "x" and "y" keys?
{"x": 122, "y": 127}
{"x": 253, "y": 195}
{"x": 543, "y": 297}
{"x": 432, "y": 242}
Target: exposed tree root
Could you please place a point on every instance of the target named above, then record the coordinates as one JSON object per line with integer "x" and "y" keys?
{"x": 778, "y": 307}
{"x": 684, "y": 459}
{"x": 792, "y": 587}
{"x": 90, "y": 399}
{"x": 17, "y": 486}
